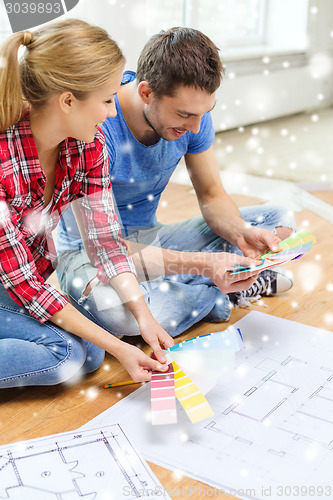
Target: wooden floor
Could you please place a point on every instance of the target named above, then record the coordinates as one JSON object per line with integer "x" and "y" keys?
{"x": 34, "y": 412}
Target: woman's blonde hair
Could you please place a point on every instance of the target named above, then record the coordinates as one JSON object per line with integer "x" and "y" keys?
{"x": 69, "y": 55}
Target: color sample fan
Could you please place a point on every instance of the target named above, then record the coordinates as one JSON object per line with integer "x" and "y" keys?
{"x": 194, "y": 368}
{"x": 292, "y": 248}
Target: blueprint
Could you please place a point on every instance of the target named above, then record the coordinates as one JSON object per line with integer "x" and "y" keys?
{"x": 272, "y": 431}
{"x": 98, "y": 464}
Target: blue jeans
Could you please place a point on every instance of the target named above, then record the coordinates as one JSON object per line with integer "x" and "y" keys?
{"x": 177, "y": 302}
{"x": 32, "y": 353}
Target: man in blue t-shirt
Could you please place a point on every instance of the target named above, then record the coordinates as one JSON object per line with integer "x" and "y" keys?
{"x": 163, "y": 115}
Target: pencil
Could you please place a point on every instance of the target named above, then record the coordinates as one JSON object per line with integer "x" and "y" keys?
{"x": 120, "y": 384}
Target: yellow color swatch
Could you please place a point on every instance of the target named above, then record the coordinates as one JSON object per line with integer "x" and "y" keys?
{"x": 192, "y": 400}
{"x": 186, "y": 391}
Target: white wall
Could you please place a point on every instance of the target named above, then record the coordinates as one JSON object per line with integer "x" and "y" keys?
{"x": 249, "y": 96}
{"x": 123, "y": 19}
{"x": 260, "y": 91}
{"x": 246, "y": 95}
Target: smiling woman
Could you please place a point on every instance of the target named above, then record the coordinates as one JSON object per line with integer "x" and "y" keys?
{"x": 51, "y": 65}
{"x": 52, "y": 152}
{"x": 84, "y": 116}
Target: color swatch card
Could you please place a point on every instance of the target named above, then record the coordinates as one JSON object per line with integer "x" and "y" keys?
{"x": 230, "y": 339}
{"x": 163, "y": 398}
{"x": 292, "y": 248}
{"x": 207, "y": 357}
{"x": 194, "y": 368}
{"x": 192, "y": 400}
{"x": 206, "y": 368}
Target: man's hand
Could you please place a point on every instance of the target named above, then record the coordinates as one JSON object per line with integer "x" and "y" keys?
{"x": 254, "y": 242}
{"x": 156, "y": 337}
{"x": 217, "y": 268}
{"x": 137, "y": 363}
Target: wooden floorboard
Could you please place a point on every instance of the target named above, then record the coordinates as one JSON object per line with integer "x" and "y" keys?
{"x": 38, "y": 411}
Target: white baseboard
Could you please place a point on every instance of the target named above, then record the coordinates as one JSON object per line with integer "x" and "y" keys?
{"x": 249, "y": 99}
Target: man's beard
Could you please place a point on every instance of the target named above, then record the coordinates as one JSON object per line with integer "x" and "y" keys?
{"x": 150, "y": 124}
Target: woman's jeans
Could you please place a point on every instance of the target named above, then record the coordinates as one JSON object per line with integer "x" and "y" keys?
{"x": 32, "y": 353}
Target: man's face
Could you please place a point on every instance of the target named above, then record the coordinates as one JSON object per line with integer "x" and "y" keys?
{"x": 172, "y": 117}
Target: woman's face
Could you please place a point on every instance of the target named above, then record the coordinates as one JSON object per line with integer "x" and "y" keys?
{"x": 86, "y": 115}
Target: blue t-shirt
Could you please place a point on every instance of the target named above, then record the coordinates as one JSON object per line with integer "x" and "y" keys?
{"x": 139, "y": 173}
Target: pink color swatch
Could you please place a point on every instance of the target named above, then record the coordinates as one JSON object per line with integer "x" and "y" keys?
{"x": 163, "y": 399}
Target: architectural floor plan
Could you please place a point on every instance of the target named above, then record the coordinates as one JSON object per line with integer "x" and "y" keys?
{"x": 99, "y": 464}
{"x": 273, "y": 424}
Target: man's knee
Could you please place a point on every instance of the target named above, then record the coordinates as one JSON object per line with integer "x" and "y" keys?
{"x": 270, "y": 217}
{"x": 283, "y": 216}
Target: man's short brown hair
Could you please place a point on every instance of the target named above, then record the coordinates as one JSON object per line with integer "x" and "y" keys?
{"x": 180, "y": 56}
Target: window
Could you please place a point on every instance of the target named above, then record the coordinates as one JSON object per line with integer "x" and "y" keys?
{"x": 162, "y": 15}
{"x": 238, "y": 27}
{"x": 232, "y": 23}
{"x": 225, "y": 21}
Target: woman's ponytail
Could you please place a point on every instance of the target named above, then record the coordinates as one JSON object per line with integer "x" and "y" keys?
{"x": 68, "y": 55}
{"x": 11, "y": 95}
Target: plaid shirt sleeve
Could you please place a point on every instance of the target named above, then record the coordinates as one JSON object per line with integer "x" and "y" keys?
{"x": 102, "y": 229}
{"x": 18, "y": 270}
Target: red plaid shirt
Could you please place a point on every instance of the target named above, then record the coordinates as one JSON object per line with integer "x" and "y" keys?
{"x": 27, "y": 252}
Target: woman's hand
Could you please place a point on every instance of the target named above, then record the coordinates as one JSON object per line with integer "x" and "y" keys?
{"x": 137, "y": 363}
{"x": 155, "y": 336}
